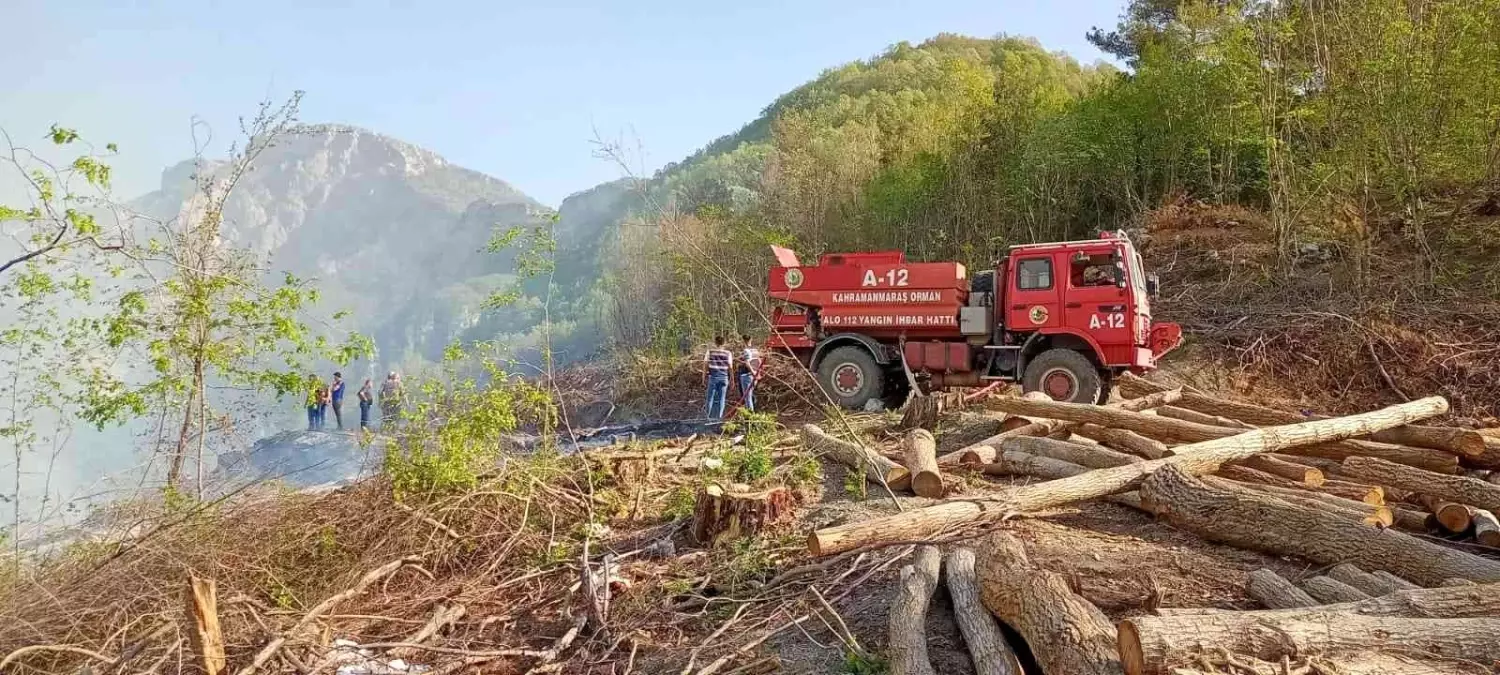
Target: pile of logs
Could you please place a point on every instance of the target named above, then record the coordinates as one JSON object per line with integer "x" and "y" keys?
{"x": 1360, "y": 497}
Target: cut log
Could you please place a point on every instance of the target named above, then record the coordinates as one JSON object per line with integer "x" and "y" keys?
{"x": 204, "y": 634}
{"x": 1365, "y": 582}
{"x": 1203, "y": 457}
{"x": 990, "y": 652}
{"x": 1156, "y": 426}
{"x": 1014, "y": 463}
{"x": 1329, "y": 467}
{"x": 984, "y": 452}
{"x": 1454, "y": 599}
{"x": 723, "y": 515}
{"x": 969, "y": 427}
{"x": 1395, "y": 582}
{"x": 1128, "y": 441}
{"x": 920, "y": 452}
{"x": 876, "y": 467}
{"x": 1456, "y": 441}
{"x": 907, "y": 639}
{"x": 1273, "y": 591}
{"x": 1361, "y": 512}
{"x": 1410, "y": 519}
{"x": 1486, "y": 528}
{"x": 1451, "y": 517}
{"x": 1093, "y": 457}
{"x": 1277, "y": 465}
{"x": 1456, "y": 582}
{"x": 1194, "y": 416}
{"x": 1462, "y": 489}
{"x": 1149, "y": 644}
{"x": 1368, "y": 494}
{"x": 1330, "y": 591}
{"x": 1283, "y": 528}
{"x": 1066, "y": 633}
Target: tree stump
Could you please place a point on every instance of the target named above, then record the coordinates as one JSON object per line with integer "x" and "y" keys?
{"x": 921, "y": 412}
{"x": 725, "y": 514}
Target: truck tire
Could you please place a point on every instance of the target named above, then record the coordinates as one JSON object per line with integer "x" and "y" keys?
{"x": 1064, "y": 375}
{"x": 851, "y": 377}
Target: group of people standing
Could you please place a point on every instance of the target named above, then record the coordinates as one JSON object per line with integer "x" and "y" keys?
{"x": 717, "y": 366}
{"x": 324, "y": 395}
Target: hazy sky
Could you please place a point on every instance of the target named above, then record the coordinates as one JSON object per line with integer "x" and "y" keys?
{"x": 512, "y": 89}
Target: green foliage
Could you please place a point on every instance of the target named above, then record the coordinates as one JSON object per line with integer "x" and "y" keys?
{"x": 680, "y": 503}
{"x": 854, "y": 485}
{"x": 456, "y": 422}
{"x": 861, "y": 663}
{"x": 751, "y": 460}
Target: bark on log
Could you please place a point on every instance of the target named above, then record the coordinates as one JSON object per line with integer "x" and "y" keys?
{"x": 990, "y": 652}
{"x": 1365, "y": 582}
{"x": 1160, "y": 427}
{"x": 1456, "y": 441}
{"x": 969, "y": 427}
{"x": 1149, "y": 644}
{"x": 1066, "y": 633}
{"x": 907, "y": 639}
{"x": 1121, "y": 439}
{"x": 1280, "y": 527}
{"x": 984, "y": 452}
{"x": 1380, "y": 516}
{"x": 722, "y": 514}
{"x": 1368, "y": 494}
{"x": 1198, "y": 458}
{"x": 1093, "y": 457}
{"x": 1456, "y": 582}
{"x": 1462, "y": 489}
{"x": 1395, "y": 582}
{"x": 1411, "y": 520}
{"x": 1194, "y": 416}
{"x": 920, "y": 453}
{"x": 1486, "y": 528}
{"x": 1329, "y": 467}
{"x": 1273, "y": 591}
{"x": 1014, "y": 463}
{"x": 204, "y": 634}
{"x": 873, "y": 465}
{"x": 1331, "y": 591}
{"x": 1455, "y": 598}
{"x": 1277, "y": 465}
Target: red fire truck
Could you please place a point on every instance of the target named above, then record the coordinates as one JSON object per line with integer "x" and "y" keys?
{"x": 1061, "y": 318}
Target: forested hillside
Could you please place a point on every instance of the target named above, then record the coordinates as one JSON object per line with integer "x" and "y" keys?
{"x": 1308, "y": 156}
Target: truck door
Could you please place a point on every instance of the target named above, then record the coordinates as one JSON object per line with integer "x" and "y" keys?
{"x": 1032, "y": 303}
{"x": 1094, "y": 303}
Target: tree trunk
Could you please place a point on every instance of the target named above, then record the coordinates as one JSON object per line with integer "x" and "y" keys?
{"x": 1066, "y": 633}
{"x": 1365, "y": 582}
{"x": 984, "y": 452}
{"x": 1148, "y": 644}
{"x": 1275, "y": 526}
{"x": 1093, "y": 457}
{"x": 1012, "y": 463}
{"x": 1462, "y": 489}
{"x": 723, "y": 515}
{"x": 1273, "y": 591}
{"x": 1129, "y": 441}
{"x": 1276, "y": 465}
{"x": 907, "y": 640}
{"x": 1330, "y": 591}
{"x": 921, "y": 412}
{"x": 1368, "y": 494}
{"x": 1456, "y": 441}
{"x": 1198, "y": 458}
{"x": 1395, "y": 582}
{"x": 1361, "y": 512}
{"x": 1196, "y": 417}
{"x": 1410, "y": 520}
{"x": 1486, "y": 528}
{"x": 919, "y": 451}
{"x": 1160, "y": 427}
{"x": 203, "y": 630}
{"x": 876, "y": 467}
{"x": 991, "y": 654}
{"x": 968, "y": 428}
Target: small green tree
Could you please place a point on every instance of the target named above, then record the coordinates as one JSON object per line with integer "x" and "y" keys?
{"x": 211, "y": 319}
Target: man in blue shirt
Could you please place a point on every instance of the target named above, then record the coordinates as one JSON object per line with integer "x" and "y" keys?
{"x": 338, "y": 399}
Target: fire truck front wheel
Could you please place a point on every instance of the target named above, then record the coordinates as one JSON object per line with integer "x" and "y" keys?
{"x": 1064, "y": 375}
{"x": 851, "y": 377}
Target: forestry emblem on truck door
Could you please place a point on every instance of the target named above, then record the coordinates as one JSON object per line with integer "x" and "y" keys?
{"x": 793, "y": 278}
{"x": 1039, "y": 314}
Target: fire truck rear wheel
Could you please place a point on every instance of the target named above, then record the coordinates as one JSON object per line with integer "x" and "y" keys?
{"x": 1064, "y": 375}
{"x": 851, "y": 377}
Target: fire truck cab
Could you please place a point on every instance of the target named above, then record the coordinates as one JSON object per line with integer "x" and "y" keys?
{"x": 1060, "y": 318}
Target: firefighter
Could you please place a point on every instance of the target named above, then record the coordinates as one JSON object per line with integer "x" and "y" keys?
{"x": 716, "y": 365}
